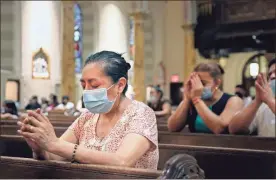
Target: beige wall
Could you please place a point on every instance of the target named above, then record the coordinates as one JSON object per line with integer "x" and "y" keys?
{"x": 41, "y": 27}
{"x": 174, "y": 41}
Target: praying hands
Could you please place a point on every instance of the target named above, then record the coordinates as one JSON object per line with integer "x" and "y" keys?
{"x": 37, "y": 131}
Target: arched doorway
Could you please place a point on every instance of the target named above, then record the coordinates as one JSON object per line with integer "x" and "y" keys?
{"x": 255, "y": 65}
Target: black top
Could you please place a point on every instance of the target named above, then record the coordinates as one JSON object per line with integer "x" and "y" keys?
{"x": 159, "y": 106}
{"x": 217, "y": 108}
{"x": 32, "y": 106}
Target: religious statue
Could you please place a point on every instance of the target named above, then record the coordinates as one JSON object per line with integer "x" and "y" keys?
{"x": 40, "y": 65}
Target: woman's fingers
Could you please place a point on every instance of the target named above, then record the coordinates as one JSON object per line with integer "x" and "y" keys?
{"x": 34, "y": 121}
{"x": 37, "y": 116}
{"x": 26, "y": 134}
{"x": 258, "y": 87}
{"x": 27, "y": 127}
{"x": 264, "y": 78}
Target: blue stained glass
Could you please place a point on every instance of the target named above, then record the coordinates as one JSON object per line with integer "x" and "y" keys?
{"x": 78, "y": 37}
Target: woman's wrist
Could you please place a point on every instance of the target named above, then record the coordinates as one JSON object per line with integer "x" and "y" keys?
{"x": 39, "y": 155}
{"x": 196, "y": 100}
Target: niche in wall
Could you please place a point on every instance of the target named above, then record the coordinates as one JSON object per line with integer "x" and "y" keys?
{"x": 12, "y": 91}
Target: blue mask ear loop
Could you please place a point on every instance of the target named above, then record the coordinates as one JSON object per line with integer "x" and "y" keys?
{"x": 116, "y": 95}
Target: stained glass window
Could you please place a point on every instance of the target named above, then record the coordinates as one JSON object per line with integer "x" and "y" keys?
{"x": 78, "y": 37}
{"x": 131, "y": 39}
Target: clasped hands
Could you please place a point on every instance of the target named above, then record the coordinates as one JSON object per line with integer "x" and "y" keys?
{"x": 263, "y": 91}
{"x": 38, "y": 131}
{"x": 193, "y": 87}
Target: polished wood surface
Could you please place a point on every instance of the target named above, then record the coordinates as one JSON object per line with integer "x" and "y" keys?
{"x": 22, "y": 168}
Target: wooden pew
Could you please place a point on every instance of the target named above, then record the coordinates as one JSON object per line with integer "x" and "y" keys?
{"x": 233, "y": 141}
{"x": 12, "y": 130}
{"x": 54, "y": 123}
{"x": 22, "y": 168}
{"x": 184, "y": 138}
{"x": 225, "y": 163}
{"x": 10, "y": 127}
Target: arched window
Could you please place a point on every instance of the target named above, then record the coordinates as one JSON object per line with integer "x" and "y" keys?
{"x": 255, "y": 65}
{"x": 78, "y": 47}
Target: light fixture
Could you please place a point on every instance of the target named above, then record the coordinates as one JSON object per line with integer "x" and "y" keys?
{"x": 254, "y": 69}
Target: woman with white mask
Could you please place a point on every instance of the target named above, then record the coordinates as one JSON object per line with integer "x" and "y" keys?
{"x": 205, "y": 108}
{"x": 161, "y": 107}
{"x": 113, "y": 131}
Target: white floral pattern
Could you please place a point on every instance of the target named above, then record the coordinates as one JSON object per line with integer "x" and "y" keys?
{"x": 138, "y": 118}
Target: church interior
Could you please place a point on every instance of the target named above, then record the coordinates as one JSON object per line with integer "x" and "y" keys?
{"x": 138, "y": 89}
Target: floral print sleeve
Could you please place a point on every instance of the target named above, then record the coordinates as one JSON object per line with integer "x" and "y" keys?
{"x": 78, "y": 124}
{"x": 143, "y": 122}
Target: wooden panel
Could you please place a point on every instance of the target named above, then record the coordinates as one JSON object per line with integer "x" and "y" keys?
{"x": 248, "y": 10}
{"x": 20, "y": 168}
{"x": 233, "y": 141}
{"x": 225, "y": 163}
{"x": 216, "y": 162}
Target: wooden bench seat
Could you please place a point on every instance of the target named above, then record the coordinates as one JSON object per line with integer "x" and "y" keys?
{"x": 22, "y": 168}
{"x": 233, "y": 141}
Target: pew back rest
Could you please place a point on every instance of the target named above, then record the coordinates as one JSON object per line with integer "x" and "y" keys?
{"x": 20, "y": 168}
{"x": 224, "y": 163}
{"x": 233, "y": 141}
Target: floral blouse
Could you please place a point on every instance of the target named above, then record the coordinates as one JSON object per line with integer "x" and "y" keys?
{"x": 137, "y": 118}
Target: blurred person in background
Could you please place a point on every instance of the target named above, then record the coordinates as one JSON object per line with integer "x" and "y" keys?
{"x": 66, "y": 105}
{"x": 44, "y": 104}
{"x": 53, "y": 102}
{"x": 9, "y": 110}
{"x": 241, "y": 92}
{"x": 33, "y": 104}
{"x": 161, "y": 107}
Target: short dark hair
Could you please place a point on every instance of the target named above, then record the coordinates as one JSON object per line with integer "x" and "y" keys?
{"x": 11, "y": 107}
{"x": 240, "y": 86}
{"x": 159, "y": 90}
{"x": 114, "y": 65}
{"x": 34, "y": 97}
{"x": 271, "y": 62}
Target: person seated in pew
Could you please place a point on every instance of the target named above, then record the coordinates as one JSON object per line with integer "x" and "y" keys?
{"x": 161, "y": 107}
{"x": 260, "y": 114}
{"x": 241, "y": 92}
{"x": 33, "y": 104}
{"x": 67, "y": 106}
{"x": 113, "y": 131}
{"x": 9, "y": 110}
{"x": 205, "y": 108}
{"x": 53, "y": 102}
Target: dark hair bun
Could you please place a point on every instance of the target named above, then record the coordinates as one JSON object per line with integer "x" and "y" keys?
{"x": 128, "y": 65}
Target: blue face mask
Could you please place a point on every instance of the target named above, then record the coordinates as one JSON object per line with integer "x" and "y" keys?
{"x": 272, "y": 86}
{"x": 207, "y": 93}
{"x": 96, "y": 101}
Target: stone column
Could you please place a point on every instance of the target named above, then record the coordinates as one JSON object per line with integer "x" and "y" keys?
{"x": 68, "y": 86}
{"x": 139, "y": 71}
{"x": 189, "y": 49}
